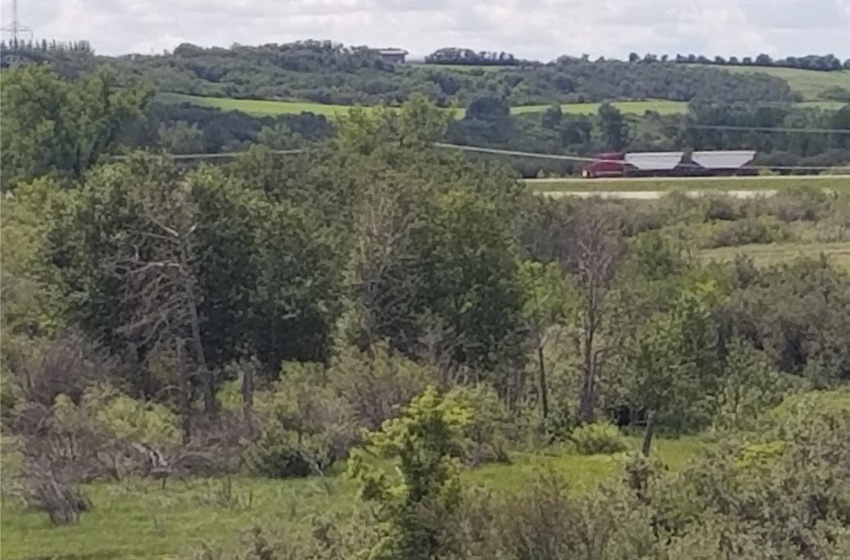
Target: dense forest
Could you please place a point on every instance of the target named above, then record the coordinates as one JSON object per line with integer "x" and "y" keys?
{"x": 455, "y": 56}
{"x": 825, "y": 63}
{"x": 373, "y": 301}
{"x": 327, "y": 72}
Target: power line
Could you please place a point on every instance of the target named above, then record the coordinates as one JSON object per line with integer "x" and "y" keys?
{"x": 217, "y": 155}
{"x": 770, "y": 129}
{"x": 513, "y": 153}
{"x": 496, "y": 151}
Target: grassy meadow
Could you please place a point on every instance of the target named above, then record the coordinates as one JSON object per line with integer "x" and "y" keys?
{"x": 773, "y": 253}
{"x": 809, "y": 83}
{"x": 269, "y": 108}
{"x": 262, "y": 107}
{"x": 765, "y": 183}
{"x": 139, "y": 520}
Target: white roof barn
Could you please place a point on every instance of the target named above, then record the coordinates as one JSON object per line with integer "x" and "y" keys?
{"x": 392, "y": 54}
{"x": 723, "y": 160}
{"x": 654, "y": 161}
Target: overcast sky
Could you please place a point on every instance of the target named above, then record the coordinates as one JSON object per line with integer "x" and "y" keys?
{"x": 540, "y": 29}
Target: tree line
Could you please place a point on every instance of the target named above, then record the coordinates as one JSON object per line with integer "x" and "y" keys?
{"x": 825, "y": 63}
{"x": 453, "y": 55}
{"x": 326, "y": 72}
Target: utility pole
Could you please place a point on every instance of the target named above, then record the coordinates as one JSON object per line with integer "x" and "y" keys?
{"x": 15, "y": 27}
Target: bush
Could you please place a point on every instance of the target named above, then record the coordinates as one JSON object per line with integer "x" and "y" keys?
{"x": 128, "y": 419}
{"x": 747, "y": 232}
{"x": 800, "y": 204}
{"x": 283, "y": 453}
{"x": 805, "y": 408}
{"x": 376, "y": 385}
{"x": 63, "y": 502}
{"x": 598, "y": 438}
{"x": 491, "y": 428}
{"x": 721, "y": 208}
{"x": 305, "y": 427}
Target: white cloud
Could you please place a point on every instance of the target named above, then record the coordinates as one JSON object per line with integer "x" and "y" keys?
{"x": 541, "y": 29}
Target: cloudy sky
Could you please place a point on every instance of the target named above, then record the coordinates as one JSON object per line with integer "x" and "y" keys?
{"x": 541, "y": 29}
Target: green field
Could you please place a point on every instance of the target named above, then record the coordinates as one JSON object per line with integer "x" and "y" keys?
{"x": 630, "y": 107}
{"x": 266, "y": 108}
{"x": 719, "y": 184}
{"x": 773, "y": 253}
{"x": 809, "y": 83}
{"x": 466, "y": 68}
{"x": 261, "y": 107}
{"x": 138, "y": 520}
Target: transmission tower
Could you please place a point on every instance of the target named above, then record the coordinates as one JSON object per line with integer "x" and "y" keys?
{"x": 15, "y": 27}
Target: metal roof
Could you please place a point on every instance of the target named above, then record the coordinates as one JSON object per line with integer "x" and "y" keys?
{"x": 723, "y": 160}
{"x": 391, "y": 51}
{"x": 650, "y": 161}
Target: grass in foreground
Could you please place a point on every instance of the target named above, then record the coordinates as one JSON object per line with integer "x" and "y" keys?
{"x": 663, "y": 184}
{"x": 138, "y": 520}
{"x": 774, "y": 253}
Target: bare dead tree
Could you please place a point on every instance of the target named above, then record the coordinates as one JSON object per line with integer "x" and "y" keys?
{"x": 160, "y": 284}
{"x": 597, "y": 247}
{"x": 382, "y": 287}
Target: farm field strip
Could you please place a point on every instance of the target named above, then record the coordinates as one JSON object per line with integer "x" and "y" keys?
{"x": 261, "y": 107}
{"x": 265, "y": 107}
{"x": 773, "y": 253}
{"x": 696, "y": 185}
{"x": 809, "y": 83}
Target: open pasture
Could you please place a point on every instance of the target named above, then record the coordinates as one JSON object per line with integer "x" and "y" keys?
{"x": 141, "y": 521}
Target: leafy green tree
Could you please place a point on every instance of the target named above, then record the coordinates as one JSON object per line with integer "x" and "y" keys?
{"x": 61, "y": 128}
{"x": 279, "y": 137}
{"x": 181, "y": 138}
{"x": 32, "y": 302}
{"x": 673, "y": 358}
{"x": 612, "y": 127}
{"x": 549, "y": 303}
{"x": 470, "y": 272}
{"x": 384, "y": 276}
{"x": 414, "y": 126}
{"x": 415, "y": 507}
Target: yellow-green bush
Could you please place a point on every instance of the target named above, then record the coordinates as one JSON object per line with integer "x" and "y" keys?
{"x": 598, "y": 438}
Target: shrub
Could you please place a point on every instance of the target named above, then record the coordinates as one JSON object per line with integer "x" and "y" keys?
{"x": 490, "y": 428}
{"x": 65, "y": 365}
{"x": 415, "y": 507}
{"x": 721, "y": 208}
{"x": 281, "y": 453}
{"x": 598, "y": 438}
{"x": 10, "y": 398}
{"x": 804, "y": 409}
{"x": 748, "y": 231}
{"x": 128, "y": 419}
{"x": 305, "y": 427}
{"x": 800, "y": 203}
{"x": 63, "y": 502}
{"x": 376, "y": 384}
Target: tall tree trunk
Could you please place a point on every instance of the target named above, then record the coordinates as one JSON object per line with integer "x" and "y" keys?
{"x": 650, "y": 429}
{"x": 248, "y": 398}
{"x": 185, "y": 395}
{"x": 207, "y": 377}
{"x": 587, "y": 397}
{"x": 544, "y": 389}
